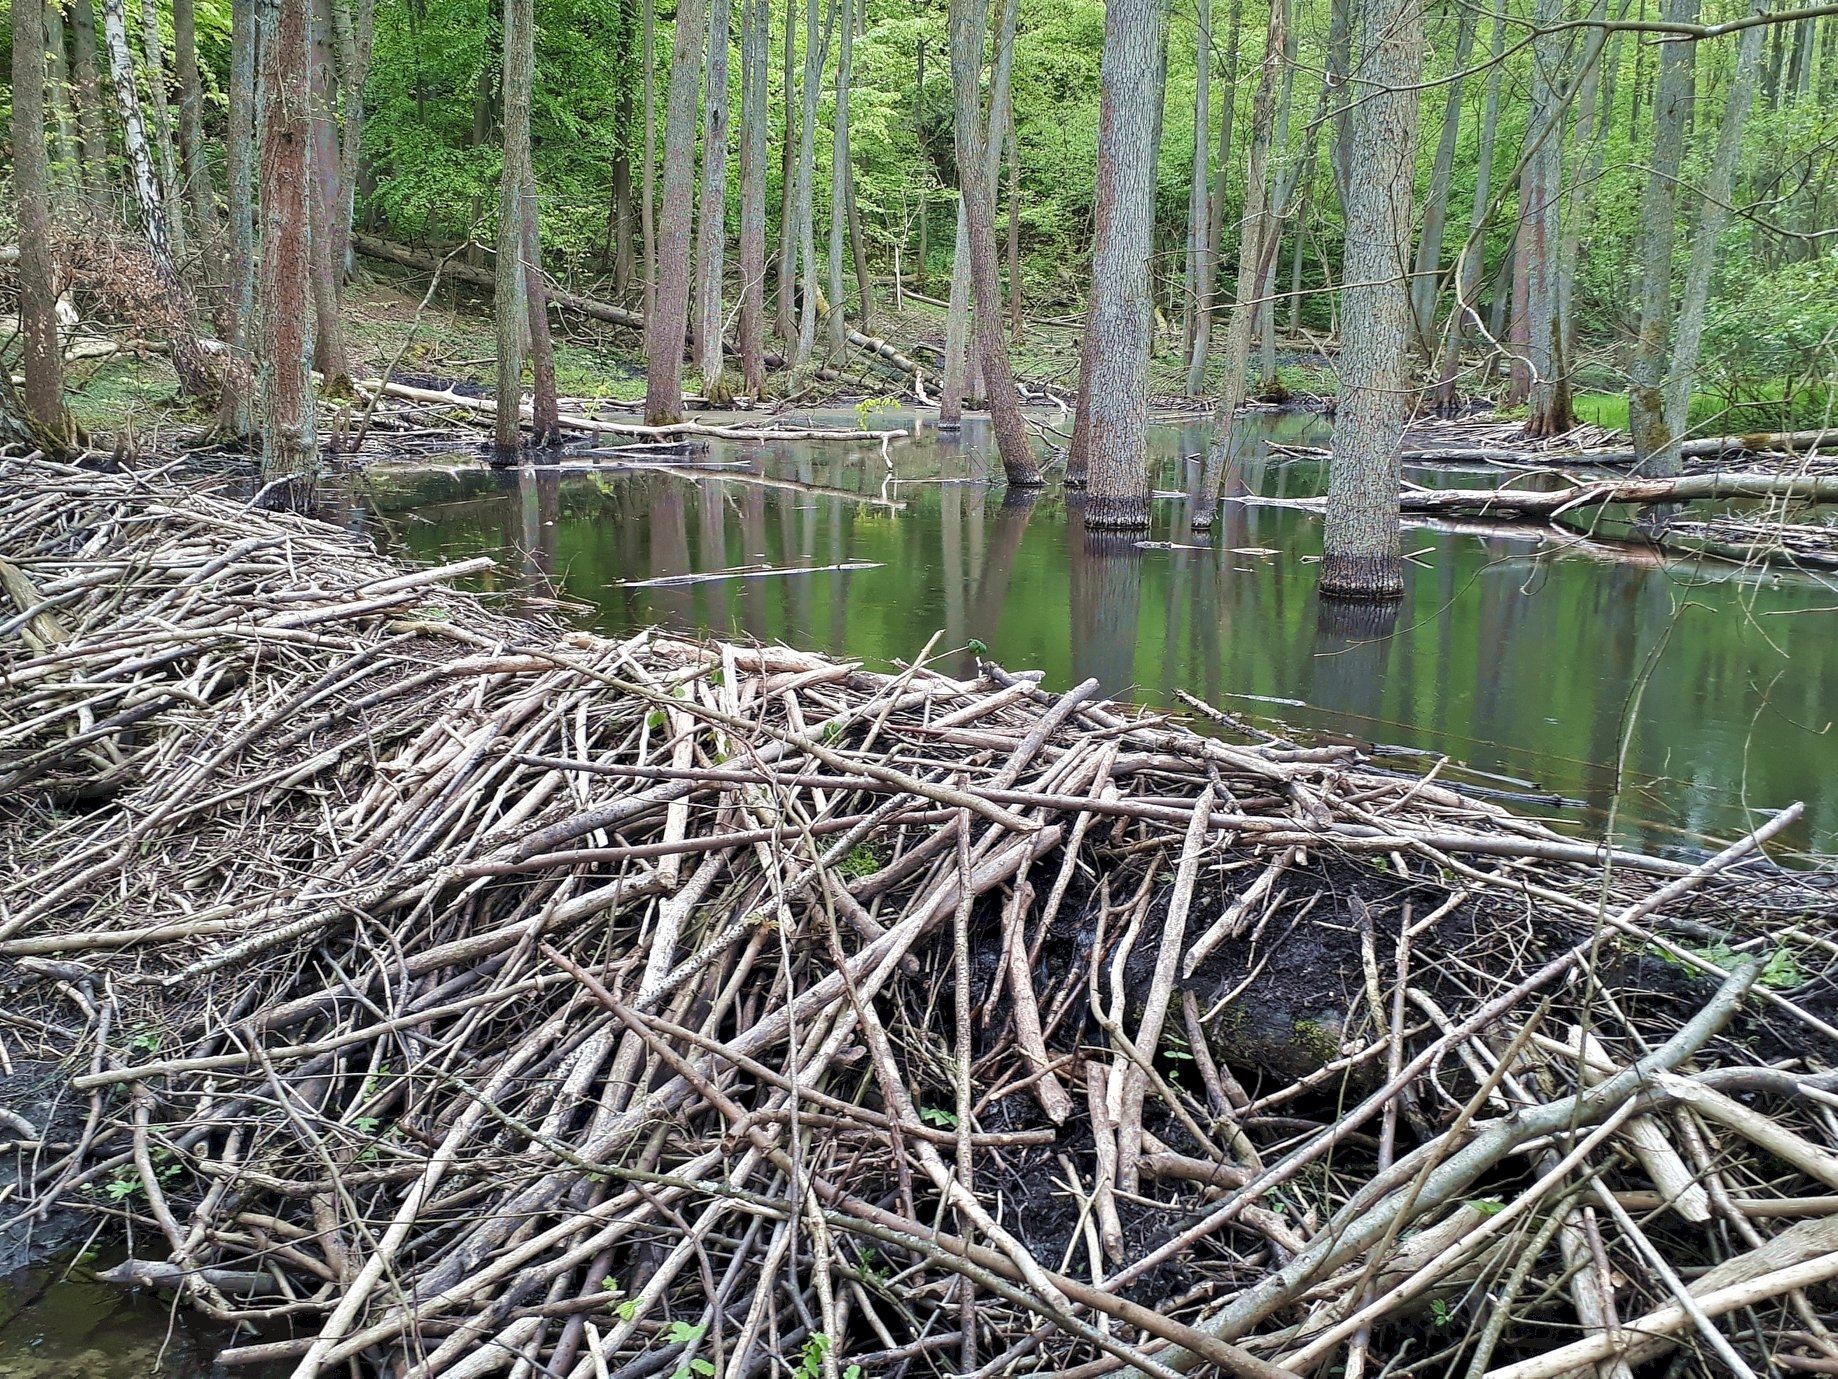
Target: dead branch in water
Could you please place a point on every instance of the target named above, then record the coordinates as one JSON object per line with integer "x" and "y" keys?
{"x": 463, "y": 995}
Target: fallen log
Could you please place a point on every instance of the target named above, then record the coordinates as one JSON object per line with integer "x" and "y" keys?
{"x": 1733, "y": 484}
{"x": 1710, "y": 447}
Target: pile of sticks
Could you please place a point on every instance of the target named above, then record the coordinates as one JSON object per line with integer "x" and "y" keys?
{"x": 445, "y": 993}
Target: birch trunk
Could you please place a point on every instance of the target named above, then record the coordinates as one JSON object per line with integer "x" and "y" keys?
{"x": 511, "y": 294}
{"x": 1257, "y": 240}
{"x": 667, "y": 319}
{"x": 289, "y": 447}
{"x": 711, "y": 232}
{"x": 1117, "y": 468}
{"x": 968, "y": 19}
{"x": 149, "y": 199}
{"x": 755, "y": 39}
{"x": 153, "y": 60}
{"x": 41, "y": 353}
{"x": 1360, "y": 538}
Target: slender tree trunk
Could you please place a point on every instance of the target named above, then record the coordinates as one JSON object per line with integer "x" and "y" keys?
{"x": 289, "y": 447}
{"x": 711, "y": 232}
{"x": 1360, "y": 539}
{"x": 356, "y": 36}
{"x": 545, "y": 421}
{"x": 925, "y": 247}
{"x": 1258, "y": 235}
{"x": 1713, "y": 217}
{"x": 1646, "y": 400}
{"x": 511, "y": 295}
{"x": 1117, "y": 467}
{"x": 788, "y": 186}
{"x": 481, "y": 135}
{"x": 647, "y": 216}
{"x": 858, "y": 251}
{"x": 41, "y": 353}
{"x": 1197, "y": 185}
{"x": 149, "y": 199}
{"x": 1426, "y": 271}
{"x": 957, "y": 330}
{"x": 816, "y": 53}
{"x": 329, "y": 355}
{"x": 191, "y": 124}
{"x": 1470, "y": 263}
{"x": 153, "y": 58}
{"x": 667, "y": 320}
{"x": 235, "y": 416}
{"x": 1287, "y": 168}
{"x": 624, "y": 255}
{"x": 92, "y": 121}
{"x": 839, "y": 178}
{"x": 1548, "y": 397}
{"x": 1215, "y": 215}
{"x": 1014, "y": 229}
{"x": 755, "y": 40}
{"x": 1593, "y": 105}
{"x": 59, "y": 97}
{"x": 968, "y": 20}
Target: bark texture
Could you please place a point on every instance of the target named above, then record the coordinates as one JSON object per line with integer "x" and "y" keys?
{"x": 235, "y": 416}
{"x": 510, "y": 296}
{"x": 149, "y": 199}
{"x": 41, "y": 353}
{"x": 1215, "y": 212}
{"x": 711, "y": 232}
{"x": 667, "y": 321}
{"x": 289, "y": 446}
{"x": 1360, "y": 539}
{"x": 1117, "y": 469}
{"x": 755, "y": 40}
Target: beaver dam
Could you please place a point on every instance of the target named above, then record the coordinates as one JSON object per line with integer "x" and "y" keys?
{"x": 422, "y": 990}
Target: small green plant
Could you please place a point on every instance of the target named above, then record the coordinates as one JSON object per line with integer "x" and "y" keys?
{"x": 146, "y": 1039}
{"x": 810, "y": 1362}
{"x": 1439, "y": 1313}
{"x": 860, "y": 860}
{"x": 869, "y": 407}
{"x": 937, "y": 1115}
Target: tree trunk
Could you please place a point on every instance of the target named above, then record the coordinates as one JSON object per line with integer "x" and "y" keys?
{"x": 61, "y": 140}
{"x": 667, "y": 321}
{"x": 191, "y": 125}
{"x": 755, "y": 39}
{"x": 329, "y": 355}
{"x": 41, "y": 352}
{"x": 92, "y": 122}
{"x": 235, "y": 416}
{"x": 153, "y": 58}
{"x": 968, "y": 19}
{"x": 356, "y": 37}
{"x": 624, "y": 254}
{"x": 1287, "y": 168}
{"x": 148, "y": 197}
{"x": 1117, "y": 467}
{"x": 957, "y": 330}
{"x": 289, "y": 448}
{"x": 1470, "y": 263}
{"x": 511, "y": 293}
{"x": 545, "y": 422}
{"x": 839, "y": 178}
{"x": 1646, "y": 400}
{"x": 1197, "y": 185}
{"x": 925, "y": 247}
{"x": 1014, "y": 229}
{"x": 711, "y": 232}
{"x": 1215, "y": 214}
{"x": 788, "y": 188}
{"x": 1548, "y": 397}
{"x": 816, "y": 52}
{"x": 1593, "y": 105}
{"x": 1360, "y": 538}
{"x": 1713, "y": 216}
{"x": 1258, "y": 233}
{"x": 647, "y": 216}
{"x": 1426, "y": 271}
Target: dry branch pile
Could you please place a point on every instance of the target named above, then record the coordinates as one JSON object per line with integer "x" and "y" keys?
{"x": 454, "y": 995}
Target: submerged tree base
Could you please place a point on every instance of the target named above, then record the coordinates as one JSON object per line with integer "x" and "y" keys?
{"x": 466, "y": 975}
{"x": 1362, "y": 576}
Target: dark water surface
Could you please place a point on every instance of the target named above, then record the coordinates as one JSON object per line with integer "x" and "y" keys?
{"x": 1517, "y": 653}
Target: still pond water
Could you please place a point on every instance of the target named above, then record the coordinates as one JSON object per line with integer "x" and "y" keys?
{"x": 1670, "y": 698}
